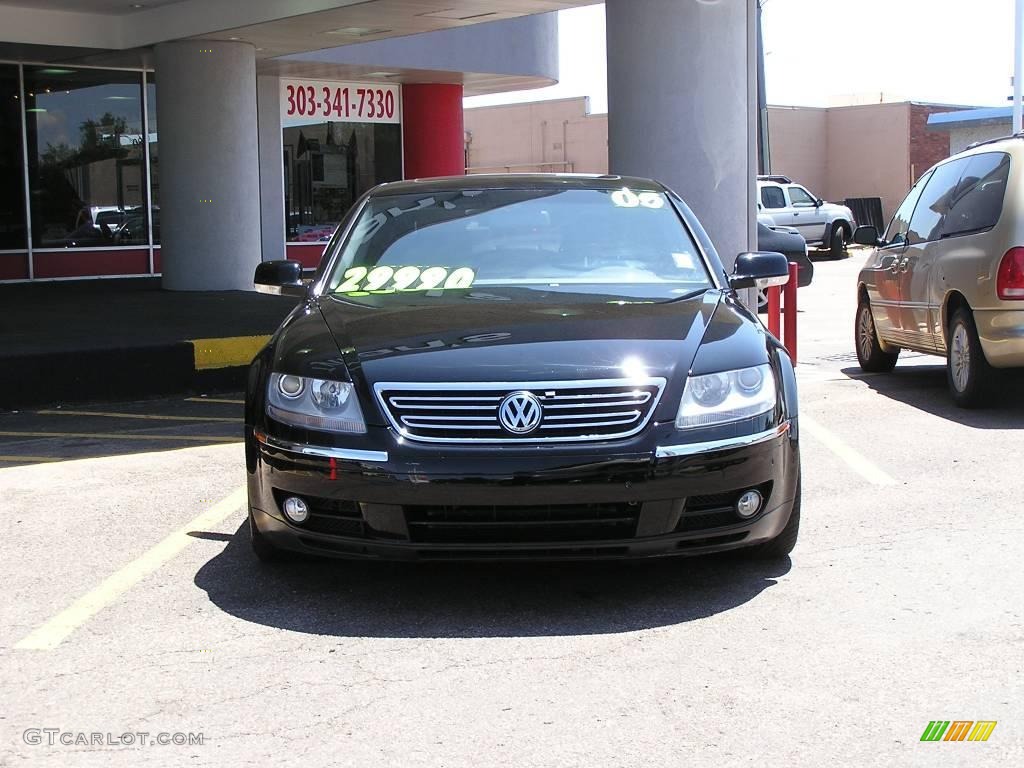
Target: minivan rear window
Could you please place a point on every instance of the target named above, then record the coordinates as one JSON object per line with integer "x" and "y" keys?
{"x": 978, "y": 200}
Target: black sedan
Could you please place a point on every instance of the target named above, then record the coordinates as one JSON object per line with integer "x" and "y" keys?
{"x": 508, "y": 367}
{"x": 791, "y": 244}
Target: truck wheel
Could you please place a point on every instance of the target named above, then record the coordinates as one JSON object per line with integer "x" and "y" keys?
{"x": 870, "y": 355}
{"x": 837, "y": 245}
{"x": 967, "y": 371}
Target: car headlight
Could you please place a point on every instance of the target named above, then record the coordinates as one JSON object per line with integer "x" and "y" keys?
{"x": 721, "y": 398}
{"x": 331, "y": 406}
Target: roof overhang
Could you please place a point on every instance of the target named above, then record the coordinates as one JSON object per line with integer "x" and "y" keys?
{"x": 276, "y": 28}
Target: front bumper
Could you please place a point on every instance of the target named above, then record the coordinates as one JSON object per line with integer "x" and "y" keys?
{"x": 673, "y": 500}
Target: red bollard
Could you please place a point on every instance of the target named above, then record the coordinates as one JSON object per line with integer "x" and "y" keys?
{"x": 790, "y": 314}
{"x": 775, "y": 311}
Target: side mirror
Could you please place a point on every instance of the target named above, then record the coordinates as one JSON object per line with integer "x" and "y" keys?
{"x": 818, "y": 203}
{"x": 280, "y": 278}
{"x": 759, "y": 270}
{"x": 867, "y": 235}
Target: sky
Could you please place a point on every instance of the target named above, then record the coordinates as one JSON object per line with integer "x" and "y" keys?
{"x": 831, "y": 52}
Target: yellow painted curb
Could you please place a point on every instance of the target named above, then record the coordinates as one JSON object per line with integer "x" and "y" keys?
{"x": 227, "y": 352}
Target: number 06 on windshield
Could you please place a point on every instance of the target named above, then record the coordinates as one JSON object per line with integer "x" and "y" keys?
{"x": 361, "y": 281}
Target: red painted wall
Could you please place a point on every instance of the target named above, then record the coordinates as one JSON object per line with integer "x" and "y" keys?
{"x": 87, "y": 263}
{"x": 307, "y": 255}
{"x": 14, "y": 266}
{"x": 432, "y": 134}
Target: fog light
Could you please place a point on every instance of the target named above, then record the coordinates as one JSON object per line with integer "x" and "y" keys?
{"x": 749, "y": 504}
{"x": 296, "y": 510}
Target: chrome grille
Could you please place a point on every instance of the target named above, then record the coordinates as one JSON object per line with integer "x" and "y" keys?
{"x": 571, "y": 410}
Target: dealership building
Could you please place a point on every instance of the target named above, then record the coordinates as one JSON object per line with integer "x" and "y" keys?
{"x": 858, "y": 151}
{"x": 193, "y": 139}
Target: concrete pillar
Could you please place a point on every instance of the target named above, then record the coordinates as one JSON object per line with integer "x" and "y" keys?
{"x": 209, "y": 164}
{"x": 268, "y": 104}
{"x": 433, "y": 138}
{"x": 682, "y": 107}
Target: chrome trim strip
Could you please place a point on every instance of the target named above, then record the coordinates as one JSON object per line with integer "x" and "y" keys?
{"x": 420, "y": 386}
{"x": 426, "y": 399}
{"x": 633, "y": 416}
{"x": 593, "y": 404}
{"x": 693, "y": 449}
{"x": 646, "y": 396}
{"x": 323, "y": 452}
{"x": 510, "y": 386}
{"x": 588, "y": 424}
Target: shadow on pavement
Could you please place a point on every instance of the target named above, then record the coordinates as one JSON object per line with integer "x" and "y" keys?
{"x": 363, "y": 599}
{"x": 924, "y": 387}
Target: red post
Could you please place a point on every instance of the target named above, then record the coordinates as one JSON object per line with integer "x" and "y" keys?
{"x": 789, "y": 318}
{"x": 775, "y": 311}
{"x": 433, "y": 140}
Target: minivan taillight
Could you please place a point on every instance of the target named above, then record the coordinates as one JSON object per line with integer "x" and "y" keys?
{"x": 1010, "y": 281}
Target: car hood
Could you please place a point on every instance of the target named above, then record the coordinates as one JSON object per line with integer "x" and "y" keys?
{"x": 838, "y": 208}
{"x": 518, "y": 342}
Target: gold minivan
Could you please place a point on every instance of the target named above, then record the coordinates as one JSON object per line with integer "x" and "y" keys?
{"x": 947, "y": 278}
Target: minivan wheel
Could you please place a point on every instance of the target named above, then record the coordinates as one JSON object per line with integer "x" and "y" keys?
{"x": 870, "y": 355}
{"x": 967, "y": 371}
{"x": 837, "y": 247}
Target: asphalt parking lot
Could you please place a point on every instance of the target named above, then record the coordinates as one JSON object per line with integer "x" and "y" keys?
{"x": 133, "y": 605}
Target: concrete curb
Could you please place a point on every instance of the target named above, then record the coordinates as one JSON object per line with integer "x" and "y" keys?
{"x": 122, "y": 373}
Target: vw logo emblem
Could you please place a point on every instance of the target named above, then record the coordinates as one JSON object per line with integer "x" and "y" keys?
{"x": 520, "y": 413}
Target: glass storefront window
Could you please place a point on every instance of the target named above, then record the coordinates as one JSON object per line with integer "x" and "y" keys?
{"x": 87, "y": 175}
{"x": 154, "y": 155}
{"x": 328, "y": 165}
{"x": 13, "y": 232}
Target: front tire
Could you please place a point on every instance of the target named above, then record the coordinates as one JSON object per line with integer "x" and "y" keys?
{"x": 967, "y": 370}
{"x": 837, "y": 244}
{"x": 870, "y": 355}
{"x": 785, "y": 542}
{"x": 265, "y": 551}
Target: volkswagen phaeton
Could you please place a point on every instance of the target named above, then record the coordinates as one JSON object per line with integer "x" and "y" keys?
{"x": 521, "y": 366}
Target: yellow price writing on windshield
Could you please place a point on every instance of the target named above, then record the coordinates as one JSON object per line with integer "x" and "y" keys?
{"x": 364, "y": 280}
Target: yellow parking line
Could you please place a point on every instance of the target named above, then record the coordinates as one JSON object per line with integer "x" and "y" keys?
{"x": 114, "y": 436}
{"x": 214, "y": 400}
{"x": 56, "y": 630}
{"x": 36, "y": 459}
{"x": 152, "y": 416}
{"x": 854, "y": 460}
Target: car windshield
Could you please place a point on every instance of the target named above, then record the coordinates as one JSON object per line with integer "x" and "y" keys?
{"x": 519, "y": 244}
